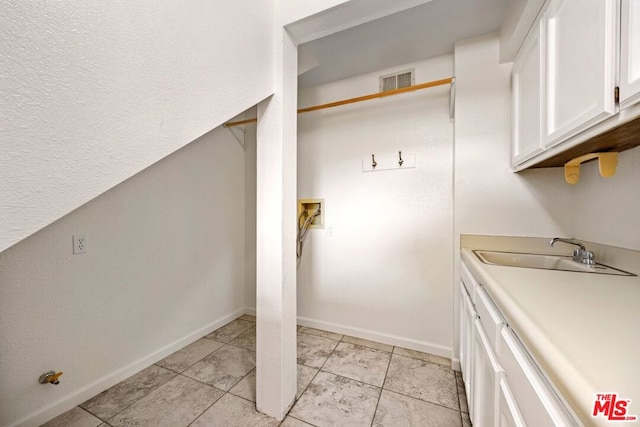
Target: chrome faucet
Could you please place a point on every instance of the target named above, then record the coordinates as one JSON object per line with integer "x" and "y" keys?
{"x": 580, "y": 254}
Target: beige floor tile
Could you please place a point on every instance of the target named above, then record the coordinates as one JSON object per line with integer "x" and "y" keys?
{"x": 398, "y": 410}
{"x": 331, "y": 400}
{"x": 75, "y": 417}
{"x": 248, "y": 318}
{"x": 176, "y": 403}
{"x": 234, "y": 411}
{"x": 186, "y": 357}
{"x": 247, "y": 340}
{"x": 313, "y": 350}
{"x": 115, "y": 399}
{"x": 321, "y": 333}
{"x": 292, "y": 422}
{"x": 423, "y": 380}
{"x": 305, "y": 375}
{"x": 231, "y": 330}
{"x": 423, "y": 356}
{"x": 367, "y": 343}
{"x": 246, "y": 388}
{"x": 224, "y": 367}
{"x": 359, "y": 363}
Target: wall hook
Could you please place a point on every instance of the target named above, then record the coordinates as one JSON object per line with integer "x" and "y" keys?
{"x": 50, "y": 377}
{"x": 373, "y": 161}
{"x": 400, "y": 162}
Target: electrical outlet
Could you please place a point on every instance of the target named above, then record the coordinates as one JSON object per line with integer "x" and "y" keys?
{"x": 80, "y": 244}
{"x": 330, "y": 230}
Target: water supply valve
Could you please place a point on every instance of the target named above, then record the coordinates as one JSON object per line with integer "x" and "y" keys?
{"x": 50, "y": 377}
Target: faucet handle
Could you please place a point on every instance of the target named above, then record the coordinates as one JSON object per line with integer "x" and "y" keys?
{"x": 588, "y": 258}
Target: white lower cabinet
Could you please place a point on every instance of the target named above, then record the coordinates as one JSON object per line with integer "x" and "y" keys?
{"x": 468, "y": 317}
{"x": 486, "y": 374}
{"x": 504, "y": 385}
{"x": 537, "y": 402}
{"x": 508, "y": 412}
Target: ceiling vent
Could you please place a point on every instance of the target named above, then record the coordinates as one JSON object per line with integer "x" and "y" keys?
{"x": 397, "y": 80}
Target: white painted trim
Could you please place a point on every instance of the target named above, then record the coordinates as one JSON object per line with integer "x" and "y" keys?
{"x": 455, "y": 364}
{"x": 43, "y": 415}
{"x": 380, "y": 337}
{"x": 396, "y": 340}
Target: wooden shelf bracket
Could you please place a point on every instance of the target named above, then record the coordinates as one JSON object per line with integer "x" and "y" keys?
{"x": 607, "y": 164}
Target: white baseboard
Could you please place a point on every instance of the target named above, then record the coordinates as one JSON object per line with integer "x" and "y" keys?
{"x": 381, "y": 337}
{"x": 455, "y": 364}
{"x": 76, "y": 397}
{"x": 384, "y": 338}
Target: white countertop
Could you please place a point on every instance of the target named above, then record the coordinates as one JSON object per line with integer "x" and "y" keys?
{"x": 583, "y": 329}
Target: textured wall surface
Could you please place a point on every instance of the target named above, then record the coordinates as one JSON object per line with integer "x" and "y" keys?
{"x": 489, "y": 198}
{"x": 385, "y": 273}
{"x": 93, "y": 93}
{"x": 606, "y": 210}
{"x": 165, "y": 265}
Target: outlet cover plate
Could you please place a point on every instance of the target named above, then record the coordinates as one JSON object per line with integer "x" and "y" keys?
{"x": 80, "y": 244}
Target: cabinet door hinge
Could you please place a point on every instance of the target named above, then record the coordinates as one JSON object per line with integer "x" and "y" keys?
{"x": 616, "y": 94}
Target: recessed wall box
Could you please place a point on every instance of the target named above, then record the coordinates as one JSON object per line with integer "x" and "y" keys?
{"x": 307, "y": 208}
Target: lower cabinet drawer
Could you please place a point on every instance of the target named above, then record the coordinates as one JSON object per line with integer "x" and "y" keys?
{"x": 538, "y": 404}
{"x": 489, "y": 315}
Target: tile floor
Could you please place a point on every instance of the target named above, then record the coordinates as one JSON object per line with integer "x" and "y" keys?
{"x": 342, "y": 381}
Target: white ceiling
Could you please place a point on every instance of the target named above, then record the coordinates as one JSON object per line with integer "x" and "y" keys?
{"x": 415, "y": 34}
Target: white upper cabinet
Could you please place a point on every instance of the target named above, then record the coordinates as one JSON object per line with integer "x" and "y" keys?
{"x": 630, "y": 53}
{"x": 578, "y": 39}
{"x": 525, "y": 141}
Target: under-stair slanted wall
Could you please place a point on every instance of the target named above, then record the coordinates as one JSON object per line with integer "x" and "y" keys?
{"x": 93, "y": 94}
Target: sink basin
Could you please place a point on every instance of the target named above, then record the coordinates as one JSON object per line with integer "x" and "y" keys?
{"x": 544, "y": 262}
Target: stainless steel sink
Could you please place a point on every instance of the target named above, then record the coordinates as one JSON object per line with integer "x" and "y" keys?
{"x": 544, "y": 262}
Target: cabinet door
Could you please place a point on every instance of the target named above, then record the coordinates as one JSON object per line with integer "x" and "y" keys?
{"x": 579, "y": 41}
{"x": 469, "y": 316}
{"x": 537, "y": 402}
{"x": 486, "y": 374}
{"x": 630, "y": 53}
{"x": 508, "y": 412}
{"x": 525, "y": 138}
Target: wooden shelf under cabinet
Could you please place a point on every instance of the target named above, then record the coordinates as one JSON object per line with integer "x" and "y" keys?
{"x": 619, "y": 138}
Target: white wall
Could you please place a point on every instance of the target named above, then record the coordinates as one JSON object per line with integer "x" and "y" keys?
{"x": 489, "y": 198}
{"x": 250, "y": 178}
{"x": 606, "y": 210}
{"x": 294, "y": 10}
{"x": 385, "y": 274}
{"x": 92, "y": 94}
{"x": 165, "y": 266}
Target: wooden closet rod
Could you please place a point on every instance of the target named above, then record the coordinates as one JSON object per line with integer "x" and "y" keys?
{"x": 358, "y": 99}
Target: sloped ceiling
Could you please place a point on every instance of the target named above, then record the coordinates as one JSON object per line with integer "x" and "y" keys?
{"x": 415, "y": 34}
